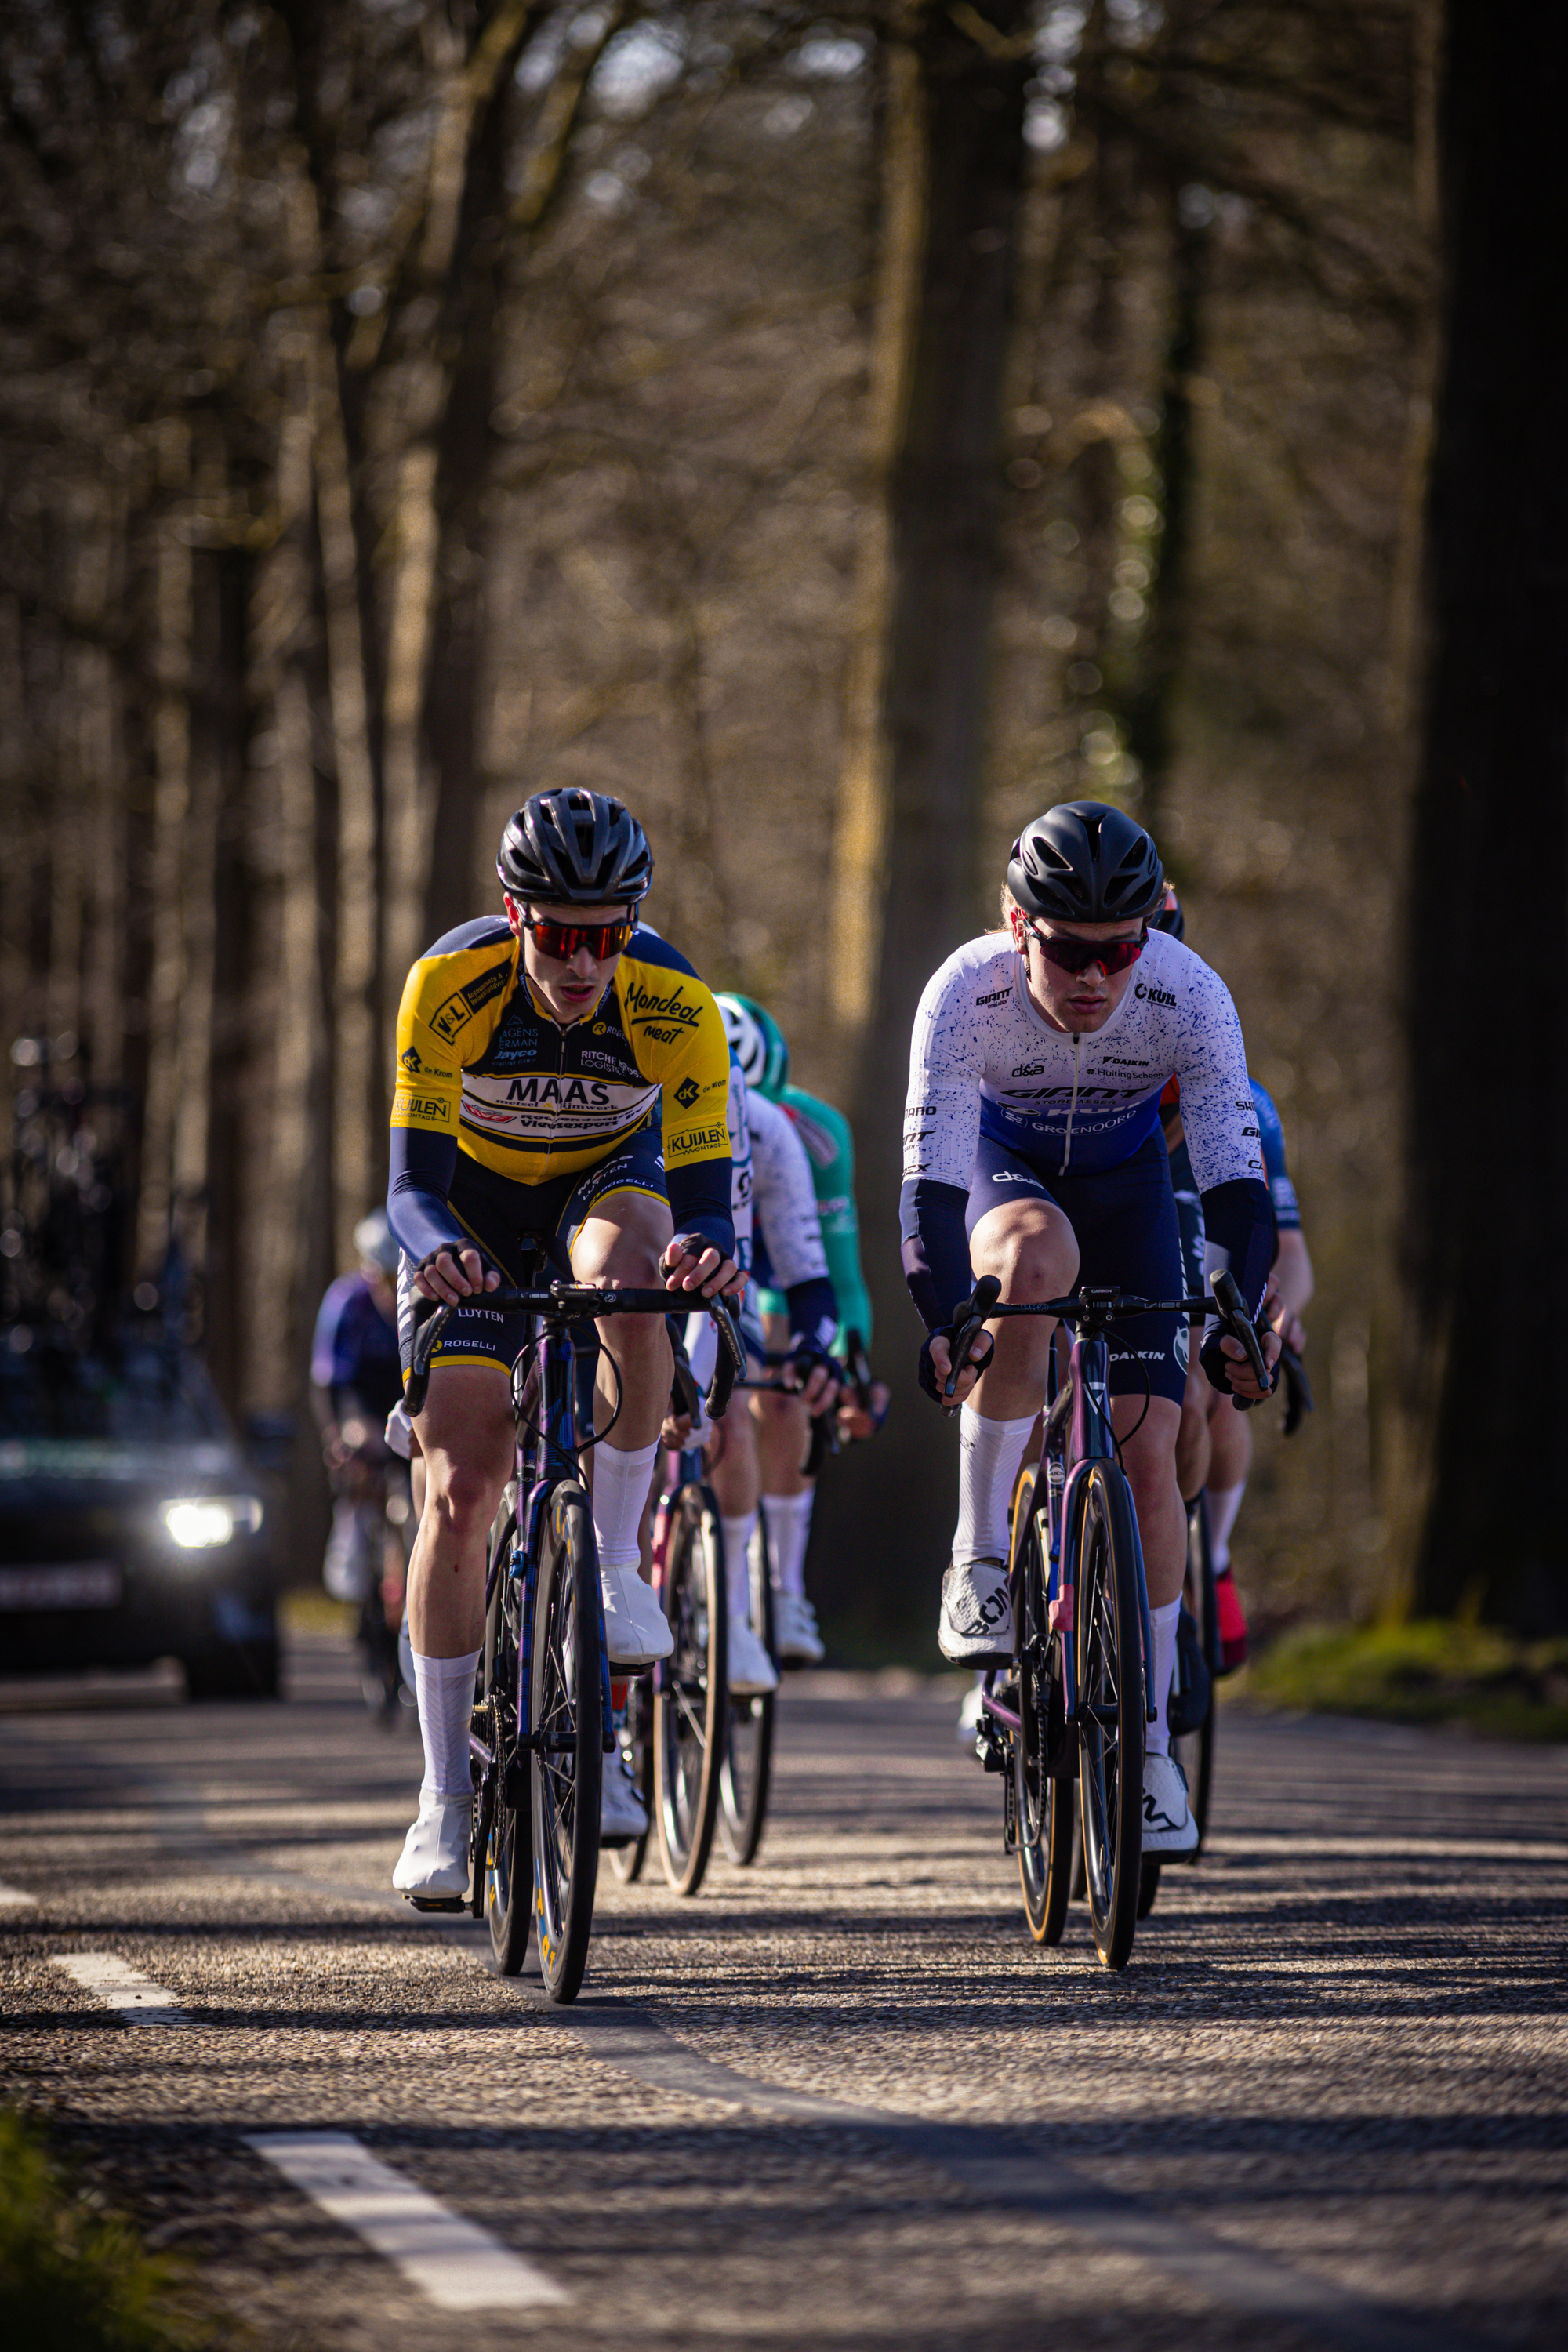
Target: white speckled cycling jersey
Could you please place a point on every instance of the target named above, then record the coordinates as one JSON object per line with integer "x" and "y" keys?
{"x": 982, "y": 1057}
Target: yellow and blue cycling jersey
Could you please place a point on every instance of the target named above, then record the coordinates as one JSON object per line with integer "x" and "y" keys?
{"x": 490, "y": 1086}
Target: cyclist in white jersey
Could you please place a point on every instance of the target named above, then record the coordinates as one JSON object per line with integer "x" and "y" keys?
{"x": 1033, "y": 1151}
{"x": 773, "y": 1200}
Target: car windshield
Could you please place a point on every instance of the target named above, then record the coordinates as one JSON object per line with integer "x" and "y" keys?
{"x": 134, "y": 1393}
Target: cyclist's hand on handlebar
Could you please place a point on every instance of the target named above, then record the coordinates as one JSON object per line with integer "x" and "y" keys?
{"x": 819, "y": 1388}
{"x": 450, "y": 1276}
{"x": 936, "y": 1359}
{"x": 856, "y": 1422}
{"x": 692, "y": 1264}
{"x": 1239, "y": 1372}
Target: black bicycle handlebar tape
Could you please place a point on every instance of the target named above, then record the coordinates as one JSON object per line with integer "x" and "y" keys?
{"x": 823, "y": 1441}
{"x": 731, "y": 1365}
{"x": 1298, "y": 1390}
{"x": 1238, "y": 1323}
{"x": 430, "y": 1319}
{"x": 974, "y": 1310}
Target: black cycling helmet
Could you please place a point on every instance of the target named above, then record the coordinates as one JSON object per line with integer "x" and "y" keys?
{"x": 575, "y": 848}
{"x": 1085, "y": 862}
{"x": 1170, "y": 917}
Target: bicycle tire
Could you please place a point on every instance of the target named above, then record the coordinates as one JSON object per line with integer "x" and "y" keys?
{"x": 1195, "y": 1750}
{"x": 627, "y": 1861}
{"x": 1148, "y": 1885}
{"x": 746, "y": 1775}
{"x": 691, "y": 1690}
{"x": 507, "y": 1825}
{"x": 1042, "y": 1806}
{"x": 1111, "y": 1711}
{"x": 567, "y": 1717}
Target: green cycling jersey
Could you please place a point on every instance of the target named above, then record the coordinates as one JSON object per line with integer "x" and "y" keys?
{"x": 830, "y": 1148}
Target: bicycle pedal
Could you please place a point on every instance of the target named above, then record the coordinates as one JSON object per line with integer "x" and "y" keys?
{"x": 439, "y": 1902}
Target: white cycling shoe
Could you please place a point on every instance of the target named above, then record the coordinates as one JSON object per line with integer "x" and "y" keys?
{"x": 795, "y": 1636}
{"x": 623, "y": 1816}
{"x": 976, "y": 1627}
{"x": 434, "y": 1864}
{"x": 1168, "y": 1824}
{"x": 636, "y": 1628}
{"x": 753, "y": 1673}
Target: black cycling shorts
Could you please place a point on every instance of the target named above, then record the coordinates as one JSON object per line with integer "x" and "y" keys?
{"x": 507, "y": 1221}
{"x": 1124, "y": 1221}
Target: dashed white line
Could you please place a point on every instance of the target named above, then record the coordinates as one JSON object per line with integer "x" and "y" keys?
{"x": 15, "y": 1898}
{"x": 452, "y": 2261}
{"x": 118, "y": 1986}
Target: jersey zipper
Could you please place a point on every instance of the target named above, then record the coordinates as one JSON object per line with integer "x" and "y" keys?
{"x": 1066, "y": 1146}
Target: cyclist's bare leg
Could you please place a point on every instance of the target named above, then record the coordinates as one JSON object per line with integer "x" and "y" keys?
{"x": 783, "y": 1426}
{"x": 733, "y": 1473}
{"x": 465, "y": 1441}
{"x": 1031, "y": 1249}
{"x": 1148, "y": 1458}
{"x": 1192, "y": 1438}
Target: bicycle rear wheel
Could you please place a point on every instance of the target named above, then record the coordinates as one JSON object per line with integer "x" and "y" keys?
{"x": 747, "y": 1772}
{"x": 691, "y": 1695}
{"x": 1111, "y": 1711}
{"x": 568, "y": 1723}
{"x": 504, "y": 1829}
{"x": 1042, "y": 1806}
{"x": 627, "y": 1861}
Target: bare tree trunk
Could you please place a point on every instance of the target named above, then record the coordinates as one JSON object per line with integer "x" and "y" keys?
{"x": 171, "y": 818}
{"x": 472, "y": 88}
{"x": 906, "y": 888}
{"x": 1486, "y": 1257}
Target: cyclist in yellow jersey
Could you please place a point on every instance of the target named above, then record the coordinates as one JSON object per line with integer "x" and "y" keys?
{"x": 563, "y": 1080}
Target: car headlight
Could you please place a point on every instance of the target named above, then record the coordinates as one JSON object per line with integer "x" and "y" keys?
{"x": 200, "y": 1522}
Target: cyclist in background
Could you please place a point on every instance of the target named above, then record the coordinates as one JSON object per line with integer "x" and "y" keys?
{"x": 1215, "y": 1448}
{"x": 356, "y": 1379}
{"x": 1033, "y": 1152}
{"x": 788, "y": 1495}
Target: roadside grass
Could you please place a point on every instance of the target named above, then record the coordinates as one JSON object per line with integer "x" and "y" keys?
{"x": 1427, "y": 1671}
{"x": 77, "y": 2278}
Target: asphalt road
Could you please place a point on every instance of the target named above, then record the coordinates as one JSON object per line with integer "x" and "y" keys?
{"x": 837, "y": 2100}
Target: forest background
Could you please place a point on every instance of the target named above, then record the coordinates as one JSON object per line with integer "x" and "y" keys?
{"x": 840, "y": 436}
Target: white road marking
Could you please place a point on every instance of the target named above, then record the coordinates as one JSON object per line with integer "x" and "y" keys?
{"x": 452, "y": 2261}
{"x": 118, "y": 1986}
{"x": 14, "y": 1898}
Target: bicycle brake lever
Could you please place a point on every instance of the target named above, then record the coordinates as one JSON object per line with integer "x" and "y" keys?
{"x": 1239, "y": 1325}
{"x": 974, "y": 1309}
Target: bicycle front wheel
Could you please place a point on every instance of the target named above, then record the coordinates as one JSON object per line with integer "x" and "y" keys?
{"x": 1042, "y": 1806}
{"x": 568, "y": 1725}
{"x": 1111, "y": 1711}
{"x": 504, "y": 1831}
{"x": 691, "y": 1697}
{"x": 1194, "y": 1750}
{"x": 747, "y": 1772}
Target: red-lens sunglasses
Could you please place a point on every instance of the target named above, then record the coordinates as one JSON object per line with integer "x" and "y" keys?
{"x": 562, "y": 941}
{"x": 1077, "y": 955}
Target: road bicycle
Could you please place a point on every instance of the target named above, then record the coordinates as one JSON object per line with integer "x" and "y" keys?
{"x": 1074, "y": 1703}
{"x": 676, "y": 1715}
{"x": 542, "y": 1718}
{"x": 746, "y": 1777}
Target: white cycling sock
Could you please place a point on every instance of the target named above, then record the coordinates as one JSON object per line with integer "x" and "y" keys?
{"x": 738, "y": 1535}
{"x": 1162, "y": 1621}
{"x": 789, "y": 1525}
{"x": 989, "y": 1452}
{"x": 445, "y": 1689}
{"x": 1224, "y": 1503}
{"x": 621, "y": 1481}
